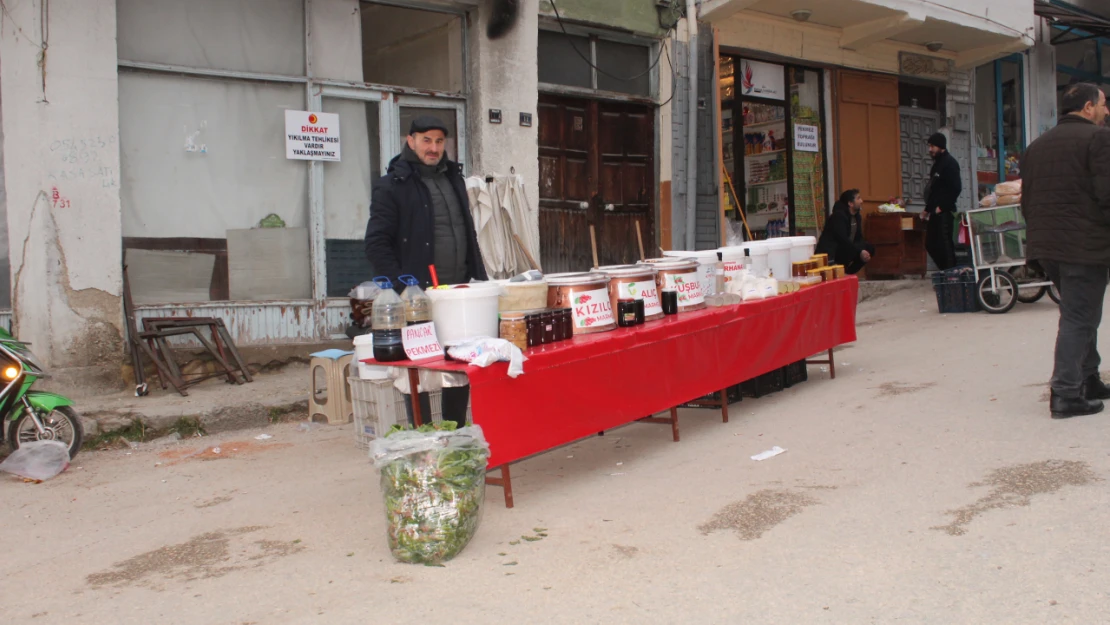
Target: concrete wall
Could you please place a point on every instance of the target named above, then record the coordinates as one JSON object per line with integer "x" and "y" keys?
{"x": 1001, "y": 16}
{"x": 638, "y": 16}
{"x": 61, "y": 173}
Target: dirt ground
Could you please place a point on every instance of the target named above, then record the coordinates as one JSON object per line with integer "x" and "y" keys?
{"x": 926, "y": 484}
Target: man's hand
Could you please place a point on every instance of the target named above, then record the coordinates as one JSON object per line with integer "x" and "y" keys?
{"x": 938, "y": 210}
{"x": 924, "y": 215}
{"x": 865, "y": 256}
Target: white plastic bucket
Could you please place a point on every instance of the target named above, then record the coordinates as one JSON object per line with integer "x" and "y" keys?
{"x": 757, "y": 255}
{"x": 733, "y": 260}
{"x": 778, "y": 258}
{"x": 364, "y": 348}
{"x": 707, "y": 268}
{"x": 465, "y": 310}
{"x": 803, "y": 248}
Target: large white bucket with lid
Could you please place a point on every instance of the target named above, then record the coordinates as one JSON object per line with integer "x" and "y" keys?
{"x": 364, "y": 348}
{"x": 757, "y": 255}
{"x": 803, "y": 248}
{"x": 778, "y": 258}
{"x": 707, "y": 268}
{"x": 465, "y": 310}
{"x": 732, "y": 259}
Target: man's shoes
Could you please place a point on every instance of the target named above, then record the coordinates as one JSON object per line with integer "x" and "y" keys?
{"x": 1068, "y": 407}
{"x": 1095, "y": 388}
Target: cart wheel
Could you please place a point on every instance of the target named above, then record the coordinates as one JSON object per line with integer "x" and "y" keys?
{"x": 1024, "y": 275}
{"x": 1002, "y": 298}
{"x": 1054, "y": 293}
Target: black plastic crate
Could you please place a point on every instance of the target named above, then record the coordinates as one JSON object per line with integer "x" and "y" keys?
{"x": 347, "y": 266}
{"x": 955, "y": 290}
{"x": 713, "y": 399}
{"x": 794, "y": 374}
{"x": 761, "y": 386}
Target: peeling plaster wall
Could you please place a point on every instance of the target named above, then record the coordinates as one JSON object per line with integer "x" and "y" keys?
{"x": 61, "y": 157}
{"x": 503, "y": 75}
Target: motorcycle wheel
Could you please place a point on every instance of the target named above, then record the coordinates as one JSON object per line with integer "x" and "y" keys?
{"x": 62, "y": 425}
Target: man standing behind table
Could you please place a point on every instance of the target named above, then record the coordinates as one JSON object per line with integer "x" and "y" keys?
{"x": 1066, "y": 202}
{"x": 941, "y": 193}
{"x": 420, "y": 216}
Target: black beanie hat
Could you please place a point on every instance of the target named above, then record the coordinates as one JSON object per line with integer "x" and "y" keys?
{"x": 939, "y": 140}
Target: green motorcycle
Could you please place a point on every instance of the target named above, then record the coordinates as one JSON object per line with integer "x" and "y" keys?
{"x": 32, "y": 415}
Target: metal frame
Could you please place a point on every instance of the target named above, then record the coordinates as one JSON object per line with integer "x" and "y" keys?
{"x": 975, "y": 243}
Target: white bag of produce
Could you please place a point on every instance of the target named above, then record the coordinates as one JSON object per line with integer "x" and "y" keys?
{"x": 1010, "y": 187}
{"x": 988, "y": 201}
{"x": 433, "y": 482}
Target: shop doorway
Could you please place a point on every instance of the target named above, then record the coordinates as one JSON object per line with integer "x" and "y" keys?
{"x": 917, "y": 126}
{"x": 868, "y": 137}
{"x": 596, "y": 169}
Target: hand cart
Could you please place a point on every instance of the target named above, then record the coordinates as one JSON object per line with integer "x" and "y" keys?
{"x": 997, "y": 238}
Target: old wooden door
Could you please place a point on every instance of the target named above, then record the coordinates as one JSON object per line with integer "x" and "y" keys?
{"x": 869, "y": 137}
{"x": 917, "y": 126}
{"x": 596, "y": 168}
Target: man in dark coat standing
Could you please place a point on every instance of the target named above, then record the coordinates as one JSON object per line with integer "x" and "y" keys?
{"x": 842, "y": 238}
{"x": 941, "y": 193}
{"x": 1066, "y": 202}
{"x": 420, "y": 214}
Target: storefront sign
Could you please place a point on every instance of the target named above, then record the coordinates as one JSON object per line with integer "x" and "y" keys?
{"x": 592, "y": 308}
{"x": 420, "y": 341}
{"x": 762, "y": 80}
{"x": 311, "y": 136}
{"x": 646, "y": 291}
{"x": 912, "y": 64}
{"x": 688, "y": 287}
{"x": 805, "y": 138}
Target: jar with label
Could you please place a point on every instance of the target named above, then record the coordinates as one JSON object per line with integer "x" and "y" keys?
{"x": 534, "y": 323}
{"x": 514, "y": 329}
{"x": 566, "y": 320}
{"x": 548, "y": 326}
{"x": 626, "y": 313}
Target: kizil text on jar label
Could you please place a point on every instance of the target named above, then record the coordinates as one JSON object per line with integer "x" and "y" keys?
{"x": 688, "y": 287}
{"x": 592, "y": 308}
{"x": 646, "y": 291}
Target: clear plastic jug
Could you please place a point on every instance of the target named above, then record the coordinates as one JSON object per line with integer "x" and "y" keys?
{"x": 418, "y": 306}
{"x": 387, "y": 319}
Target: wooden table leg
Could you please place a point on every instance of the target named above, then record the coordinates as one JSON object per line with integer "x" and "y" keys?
{"x": 724, "y": 405}
{"x": 506, "y": 482}
{"x": 832, "y": 365}
{"x": 671, "y": 421}
{"x": 414, "y": 393}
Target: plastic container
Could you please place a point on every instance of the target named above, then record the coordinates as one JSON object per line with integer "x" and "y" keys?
{"x": 418, "y": 308}
{"x": 678, "y": 278}
{"x": 778, "y": 257}
{"x": 756, "y": 262}
{"x": 707, "y": 267}
{"x": 587, "y": 295}
{"x": 522, "y": 295}
{"x": 465, "y": 310}
{"x": 802, "y": 248}
{"x": 732, "y": 262}
{"x": 634, "y": 282}
{"x": 387, "y": 320}
{"x": 364, "y": 348}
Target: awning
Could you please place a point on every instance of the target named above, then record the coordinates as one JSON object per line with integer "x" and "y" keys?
{"x": 1071, "y": 20}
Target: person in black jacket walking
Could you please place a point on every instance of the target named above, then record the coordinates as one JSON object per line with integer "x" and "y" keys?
{"x": 842, "y": 238}
{"x": 420, "y": 214}
{"x": 1065, "y": 199}
{"x": 941, "y": 193}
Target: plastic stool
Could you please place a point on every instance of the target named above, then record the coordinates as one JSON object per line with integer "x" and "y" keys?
{"x": 329, "y": 395}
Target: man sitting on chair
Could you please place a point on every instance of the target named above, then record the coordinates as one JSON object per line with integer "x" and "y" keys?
{"x": 842, "y": 238}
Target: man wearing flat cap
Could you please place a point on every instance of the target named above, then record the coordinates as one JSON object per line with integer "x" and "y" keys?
{"x": 420, "y": 214}
{"x": 941, "y": 193}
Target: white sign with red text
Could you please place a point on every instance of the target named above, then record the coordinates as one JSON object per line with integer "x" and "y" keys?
{"x": 592, "y": 308}
{"x": 420, "y": 341}
{"x": 688, "y": 287}
{"x": 311, "y": 136}
{"x": 647, "y": 291}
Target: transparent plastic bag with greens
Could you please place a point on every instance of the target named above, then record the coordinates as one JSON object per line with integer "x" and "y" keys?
{"x": 433, "y": 485}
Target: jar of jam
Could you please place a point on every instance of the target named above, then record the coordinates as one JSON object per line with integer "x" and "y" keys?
{"x": 639, "y": 307}
{"x": 560, "y": 328}
{"x": 567, "y": 321}
{"x": 534, "y": 323}
{"x": 548, "y": 326}
{"x": 514, "y": 329}
{"x": 626, "y": 313}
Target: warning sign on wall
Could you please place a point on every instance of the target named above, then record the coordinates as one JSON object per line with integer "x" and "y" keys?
{"x": 311, "y": 136}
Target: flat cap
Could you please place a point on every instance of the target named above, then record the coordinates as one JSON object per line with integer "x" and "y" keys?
{"x": 424, "y": 123}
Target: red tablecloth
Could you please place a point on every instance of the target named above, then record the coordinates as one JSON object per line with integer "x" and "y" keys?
{"x": 577, "y": 388}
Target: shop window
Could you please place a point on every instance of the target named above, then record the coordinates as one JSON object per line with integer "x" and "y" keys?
{"x": 617, "y": 67}
{"x": 203, "y": 169}
{"x": 262, "y": 36}
{"x": 412, "y": 47}
{"x": 999, "y": 122}
{"x": 559, "y": 64}
{"x": 809, "y": 166}
{"x": 619, "y": 61}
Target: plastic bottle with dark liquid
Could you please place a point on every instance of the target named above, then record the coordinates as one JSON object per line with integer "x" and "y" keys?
{"x": 388, "y": 318}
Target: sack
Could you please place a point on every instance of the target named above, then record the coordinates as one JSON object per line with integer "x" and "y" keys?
{"x": 1009, "y": 200}
{"x": 1010, "y": 187}
{"x": 433, "y": 483}
{"x": 988, "y": 201}
{"x": 37, "y": 460}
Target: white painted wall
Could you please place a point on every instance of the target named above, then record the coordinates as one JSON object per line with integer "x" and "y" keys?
{"x": 65, "y": 248}
{"x": 999, "y": 16}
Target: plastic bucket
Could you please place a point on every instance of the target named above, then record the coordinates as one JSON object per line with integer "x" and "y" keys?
{"x": 707, "y": 268}
{"x": 803, "y": 248}
{"x": 465, "y": 310}
{"x": 733, "y": 260}
{"x": 364, "y": 348}
{"x": 522, "y": 295}
{"x": 757, "y": 254}
{"x": 778, "y": 258}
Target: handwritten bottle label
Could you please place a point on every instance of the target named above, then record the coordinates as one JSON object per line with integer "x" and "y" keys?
{"x": 591, "y": 309}
{"x": 647, "y": 291}
{"x": 688, "y": 287}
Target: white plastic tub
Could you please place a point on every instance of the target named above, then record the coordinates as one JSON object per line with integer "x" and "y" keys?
{"x": 757, "y": 255}
{"x": 732, "y": 259}
{"x": 707, "y": 267}
{"x": 803, "y": 248}
{"x": 465, "y": 310}
{"x": 522, "y": 295}
{"x": 364, "y": 348}
{"x": 778, "y": 258}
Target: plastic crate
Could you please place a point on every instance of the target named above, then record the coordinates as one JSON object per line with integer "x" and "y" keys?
{"x": 713, "y": 399}
{"x": 761, "y": 386}
{"x": 955, "y": 290}
{"x": 794, "y": 374}
{"x": 378, "y": 406}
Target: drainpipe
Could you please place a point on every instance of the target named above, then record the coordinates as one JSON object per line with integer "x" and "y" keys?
{"x": 692, "y": 126}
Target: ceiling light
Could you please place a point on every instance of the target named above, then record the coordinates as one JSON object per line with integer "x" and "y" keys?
{"x": 801, "y": 15}
{"x": 934, "y": 46}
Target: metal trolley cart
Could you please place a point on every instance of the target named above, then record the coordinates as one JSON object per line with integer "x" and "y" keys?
{"x": 997, "y": 237}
